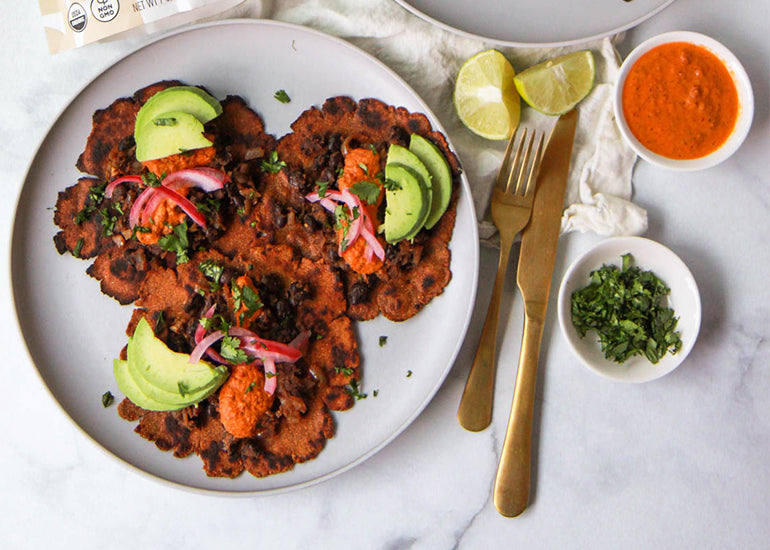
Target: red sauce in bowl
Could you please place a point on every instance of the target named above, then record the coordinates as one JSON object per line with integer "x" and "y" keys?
{"x": 680, "y": 101}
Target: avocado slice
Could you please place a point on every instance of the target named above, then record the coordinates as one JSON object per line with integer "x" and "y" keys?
{"x": 188, "y": 99}
{"x": 131, "y": 390}
{"x": 167, "y": 377}
{"x": 403, "y": 156}
{"x": 441, "y": 176}
{"x": 406, "y": 203}
{"x": 167, "y": 134}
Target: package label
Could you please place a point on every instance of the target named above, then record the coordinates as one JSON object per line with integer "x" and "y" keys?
{"x": 73, "y": 23}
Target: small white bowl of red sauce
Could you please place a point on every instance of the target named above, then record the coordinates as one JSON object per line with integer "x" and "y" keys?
{"x": 683, "y": 101}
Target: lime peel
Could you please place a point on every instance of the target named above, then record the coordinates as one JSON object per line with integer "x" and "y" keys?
{"x": 555, "y": 86}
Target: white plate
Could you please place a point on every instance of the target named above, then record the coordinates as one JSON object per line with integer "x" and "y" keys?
{"x": 538, "y": 22}
{"x": 684, "y": 299}
{"x": 73, "y": 332}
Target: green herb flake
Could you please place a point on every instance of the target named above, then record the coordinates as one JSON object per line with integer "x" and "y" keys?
{"x": 78, "y": 248}
{"x": 323, "y": 186}
{"x": 364, "y": 167}
{"x": 273, "y": 164}
{"x": 391, "y": 185}
{"x": 251, "y": 387}
{"x": 367, "y": 191}
{"x": 408, "y": 374}
{"x": 151, "y": 180}
{"x": 383, "y": 340}
{"x": 177, "y": 242}
{"x": 347, "y": 371}
{"x": 354, "y": 390}
{"x": 231, "y": 350}
{"x": 282, "y": 96}
{"x": 164, "y": 121}
{"x": 94, "y": 198}
{"x": 213, "y": 272}
{"x": 375, "y": 393}
{"x": 182, "y": 388}
{"x": 107, "y": 399}
{"x": 626, "y": 308}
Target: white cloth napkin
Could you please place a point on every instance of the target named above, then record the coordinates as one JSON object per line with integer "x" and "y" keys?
{"x": 599, "y": 189}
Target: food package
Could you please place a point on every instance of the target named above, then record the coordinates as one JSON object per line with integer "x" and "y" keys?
{"x": 73, "y": 23}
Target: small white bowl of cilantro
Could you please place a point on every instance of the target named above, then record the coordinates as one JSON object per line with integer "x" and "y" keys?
{"x": 630, "y": 309}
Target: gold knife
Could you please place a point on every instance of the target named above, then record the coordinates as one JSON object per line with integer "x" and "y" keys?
{"x": 536, "y": 258}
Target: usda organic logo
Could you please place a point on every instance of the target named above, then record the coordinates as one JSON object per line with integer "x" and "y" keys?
{"x": 77, "y": 17}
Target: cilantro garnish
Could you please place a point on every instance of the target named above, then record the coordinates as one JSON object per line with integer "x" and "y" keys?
{"x": 182, "y": 387}
{"x": 273, "y": 164}
{"x": 626, "y": 307}
{"x": 231, "y": 350}
{"x": 251, "y": 386}
{"x": 164, "y": 121}
{"x": 383, "y": 340}
{"x": 391, "y": 185}
{"x": 151, "y": 180}
{"x": 93, "y": 199}
{"x": 213, "y": 272}
{"x": 353, "y": 390}
{"x": 323, "y": 186}
{"x": 347, "y": 371}
{"x": 78, "y": 247}
{"x": 247, "y": 298}
{"x": 282, "y": 96}
{"x": 364, "y": 167}
{"x": 107, "y": 399}
{"x": 177, "y": 242}
{"x": 367, "y": 191}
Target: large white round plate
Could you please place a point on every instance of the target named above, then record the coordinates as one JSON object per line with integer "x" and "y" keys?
{"x": 536, "y": 22}
{"x": 73, "y": 332}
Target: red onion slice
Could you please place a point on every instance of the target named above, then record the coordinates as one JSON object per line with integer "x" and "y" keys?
{"x": 123, "y": 179}
{"x": 205, "y": 344}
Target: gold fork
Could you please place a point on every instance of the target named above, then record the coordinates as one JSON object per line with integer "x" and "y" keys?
{"x": 511, "y": 209}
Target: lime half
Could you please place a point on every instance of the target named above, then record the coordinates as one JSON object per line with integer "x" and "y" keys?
{"x": 557, "y": 85}
{"x": 485, "y": 96}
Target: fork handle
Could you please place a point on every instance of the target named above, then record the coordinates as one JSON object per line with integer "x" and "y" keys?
{"x": 475, "y": 411}
{"x": 512, "y": 484}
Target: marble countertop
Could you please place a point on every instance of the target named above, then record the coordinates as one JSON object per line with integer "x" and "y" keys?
{"x": 681, "y": 462}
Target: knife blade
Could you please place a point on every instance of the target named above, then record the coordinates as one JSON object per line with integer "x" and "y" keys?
{"x": 539, "y": 241}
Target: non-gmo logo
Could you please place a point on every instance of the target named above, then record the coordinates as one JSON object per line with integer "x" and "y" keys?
{"x": 77, "y": 17}
{"x": 105, "y": 10}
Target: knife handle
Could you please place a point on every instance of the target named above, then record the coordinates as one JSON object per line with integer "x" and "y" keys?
{"x": 511, "y": 492}
{"x": 475, "y": 411}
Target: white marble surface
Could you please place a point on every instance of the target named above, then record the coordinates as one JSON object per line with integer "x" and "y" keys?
{"x": 681, "y": 462}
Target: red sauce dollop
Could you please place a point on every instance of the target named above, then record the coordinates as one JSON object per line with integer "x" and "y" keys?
{"x": 680, "y": 101}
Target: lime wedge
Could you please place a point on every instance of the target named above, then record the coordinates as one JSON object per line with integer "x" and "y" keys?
{"x": 485, "y": 97}
{"x": 557, "y": 85}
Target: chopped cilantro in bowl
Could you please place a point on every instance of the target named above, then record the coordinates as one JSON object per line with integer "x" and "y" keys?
{"x": 630, "y": 309}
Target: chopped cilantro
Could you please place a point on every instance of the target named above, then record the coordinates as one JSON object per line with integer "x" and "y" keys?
{"x": 364, "y": 167}
{"x": 94, "y": 198}
{"x": 182, "y": 387}
{"x": 251, "y": 386}
{"x": 408, "y": 374}
{"x": 151, "y": 180}
{"x": 323, "y": 186}
{"x": 247, "y": 298}
{"x": 626, "y": 308}
{"x": 164, "y": 121}
{"x": 353, "y": 390}
{"x": 391, "y": 185}
{"x": 282, "y": 96}
{"x": 375, "y": 393}
{"x": 383, "y": 340}
{"x": 107, "y": 399}
{"x": 347, "y": 371}
{"x": 78, "y": 248}
{"x": 273, "y": 164}
{"x": 367, "y": 191}
{"x": 213, "y": 272}
{"x": 177, "y": 242}
{"x": 231, "y": 350}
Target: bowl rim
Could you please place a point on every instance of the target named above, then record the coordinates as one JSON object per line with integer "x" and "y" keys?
{"x": 638, "y": 369}
{"x": 742, "y": 84}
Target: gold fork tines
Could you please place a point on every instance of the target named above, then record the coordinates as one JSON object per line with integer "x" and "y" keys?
{"x": 511, "y": 208}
